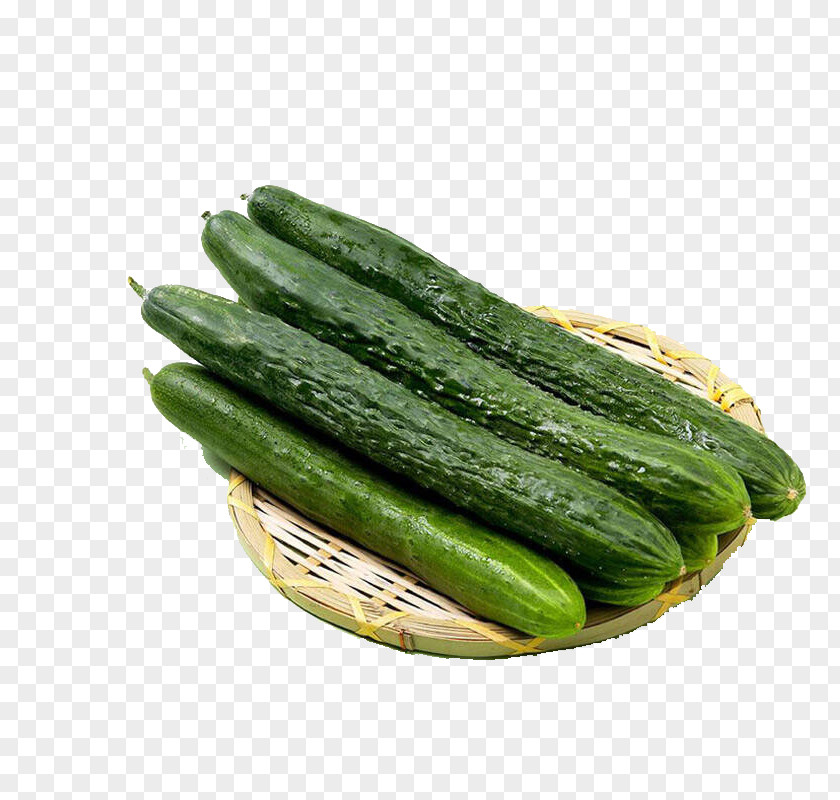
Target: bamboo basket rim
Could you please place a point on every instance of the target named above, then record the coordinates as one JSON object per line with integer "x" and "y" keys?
{"x": 355, "y": 589}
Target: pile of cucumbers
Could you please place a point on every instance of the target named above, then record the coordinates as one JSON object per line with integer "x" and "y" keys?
{"x": 512, "y": 465}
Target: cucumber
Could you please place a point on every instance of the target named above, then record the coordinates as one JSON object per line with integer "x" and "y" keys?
{"x": 697, "y": 551}
{"x": 482, "y": 569}
{"x": 691, "y": 492}
{"x": 573, "y": 517}
{"x": 579, "y": 372}
{"x": 617, "y": 595}
{"x": 216, "y": 462}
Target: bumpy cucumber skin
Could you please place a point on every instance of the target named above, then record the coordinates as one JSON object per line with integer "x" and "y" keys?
{"x": 579, "y": 372}
{"x": 487, "y": 572}
{"x": 575, "y": 518}
{"x": 690, "y": 491}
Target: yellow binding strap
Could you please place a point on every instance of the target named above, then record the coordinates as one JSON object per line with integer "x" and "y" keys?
{"x": 679, "y": 355}
{"x": 710, "y": 382}
{"x": 608, "y": 327}
{"x": 653, "y": 344}
{"x": 368, "y": 628}
{"x": 559, "y": 318}
{"x": 268, "y": 551}
{"x": 237, "y": 503}
{"x": 517, "y": 648}
{"x": 730, "y": 394}
{"x": 669, "y": 600}
{"x": 551, "y": 315}
{"x": 236, "y": 482}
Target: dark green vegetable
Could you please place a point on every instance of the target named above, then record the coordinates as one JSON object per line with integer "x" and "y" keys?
{"x": 579, "y": 372}
{"x": 572, "y": 516}
{"x": 216, "y": 462}
{"x": 616, "y": 595}
{"x": 487, "y": 572}
{"x": 698, "y": 551}
{"x": 690, "y": 491}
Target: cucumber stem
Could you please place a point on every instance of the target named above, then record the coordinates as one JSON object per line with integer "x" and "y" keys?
{"x": 148, "y": 375}
{"x": 136, "y": 286}
{"x": 206, "y": 215}
{"x": 244, "y": 196}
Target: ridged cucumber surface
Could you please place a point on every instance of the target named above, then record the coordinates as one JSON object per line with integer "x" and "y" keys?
{"x": 577, "y": 371}
{"x": 486, "y": 571}
{"x": 691, "y": 492}
{"x": 573, "y": 517}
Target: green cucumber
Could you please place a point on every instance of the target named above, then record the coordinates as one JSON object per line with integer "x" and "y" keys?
{"x": 216, "y": 462}
{"x": 691, "y": 492}
{"x": 698, "y": 551}
{"x": 617, "y": 595}
{"x": 579, "y": 372}
{"x": 573, "y": 517}
{"x": 480, "y": 568}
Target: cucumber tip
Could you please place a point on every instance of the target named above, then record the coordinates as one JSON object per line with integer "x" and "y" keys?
{"x": 136, "y": 286}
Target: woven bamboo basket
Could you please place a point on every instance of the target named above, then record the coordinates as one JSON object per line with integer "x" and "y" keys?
{"x": 350, "y": 587}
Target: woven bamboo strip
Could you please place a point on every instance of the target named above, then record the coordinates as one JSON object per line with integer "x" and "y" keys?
{"x": 355, "y": 589}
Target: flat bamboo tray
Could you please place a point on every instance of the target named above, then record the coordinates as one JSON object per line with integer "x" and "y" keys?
{"x": 348, "y": 586}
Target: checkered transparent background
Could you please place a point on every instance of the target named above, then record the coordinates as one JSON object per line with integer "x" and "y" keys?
{"x": 676, "y": 167}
